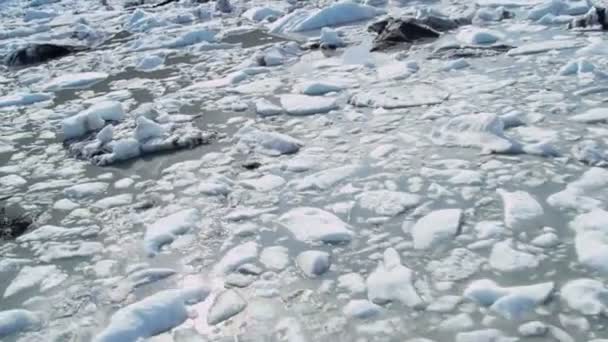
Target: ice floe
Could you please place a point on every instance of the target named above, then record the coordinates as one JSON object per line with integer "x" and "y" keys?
{"x": 226, "y": 305}
{"x": 436, "y": 227}
{"x": 313, "y": 263}
{"x": 152, "y": 315}
{"x": 307, "y": 105}
{"x": 165, "y": 230}
{"x": 339, "y": 13}
{"x": 75, "y": 81}
{"x": 315, "y": 225}
{"x": 391, "y": 281}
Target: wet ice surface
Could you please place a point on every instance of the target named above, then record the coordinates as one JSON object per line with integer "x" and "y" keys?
{"x": 347, "y": 195}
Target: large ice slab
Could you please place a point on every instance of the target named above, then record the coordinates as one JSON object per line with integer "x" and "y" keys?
{"x": 399, "y": 96}
{"x": 436, "y": 227}
{"x": 339, "y": 13}
{"x": 75, "y": 81}
{"x": 151, "y": 316}
{"x": 307, "y": 105}
{"x": 165, "y": 230}
{"x": 588, "y": 192}
{"x": 315, "y": 225}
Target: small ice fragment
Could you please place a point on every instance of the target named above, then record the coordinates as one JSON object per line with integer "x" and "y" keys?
{"x": 313, "y": 263}
{"x": 226, "y": 305}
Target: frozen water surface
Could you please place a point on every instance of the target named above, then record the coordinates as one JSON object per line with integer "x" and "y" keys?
{"x": 197, "y": 173}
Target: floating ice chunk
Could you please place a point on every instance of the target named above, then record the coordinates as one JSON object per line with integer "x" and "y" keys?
{"x": 6, "y": 147}
{"x": 389, "y": 203}
{"x": 270, "y": 142}
{"x": 80, "y": 124}
{"x": 226, "y": 305}
{"x": 456, "y": 64}
{"x": 361, "y": 308}
{"x": 48, "y": 233}
{"x": 223, "y": 6}
{"x": 315, "y": 88}
{"x": 460, "y": 264}
{"x": 313, "y": 263}
{"x": 587, "y": 296}
{"x": 12, "y": 181}
{"x": 264, "y": 183}
{"x": 459, "y": 322}
{"x": 75, "y": 81}
{"x": 315, "y": 225}
{"x": 54, "y": 251}
{"x": 35, "y": 14}
{"x": 23, "y": 99}
{"x": 559, "y": 7}
{"x": 485, "y": 335}
{"x": 577, "y": 67}
{"x": 330, "y": 37}
{"x": 105, "y": 135}
{"x": 546, "y": 240}
{"x": 444, "y": 304}
{"x": 114, "y": 201}
{"x": 591, "y": 241}
{"x": 151, "y": 316}
{"x": 533, "y": 329}
{"x": 150, "y": 63}
{"x": 325, "y": 179}
{"x": 590, "y": 191}
{"x": 147, "y": 129}
{"x": 258, "y": 14}
{"x": 472, "y": 35}
{"x": 507, "y": 259}
{"x": 93, "y": 118}
{"x": 352, "y": 282}
{"x": 436, "y": 227}
{"x": 336, "y": 14}
{"x": 275, "y": 258}
{"x": 307, "y": 105}
{"x": 18, "y": 320}
{"x": 165, "y": 230}
{"x": 590, "y": 153}
{"x": 266, "y": 108}
{"x": 85, "y": 190}
{"x": 65, "y": 204}
{"x": 489, "y": 229}
{"x": 240, "y": 214}
{"x": 46, "y": 277}
{"x": 409, "y": 95}
{"x": 149, "y": 275}
{"x": 539, "y": 47}
{"x": 397, "y": 70}
{"x": 237, "y": 256}
{"x": 484, "y": 131}
{"x": 594, "y": 115}
{"x": 391, "y": 281}
{"x": 520, "y": 208}
{"x": 191, "y": 38}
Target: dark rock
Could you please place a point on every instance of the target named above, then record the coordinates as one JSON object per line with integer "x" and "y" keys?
{"x": 39, "y": 53}
{"x": 395, "y": 31}
{"x": 251, "y": 165}
{"x": 13, "y": 223}
{"x": 453, "y": 52}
